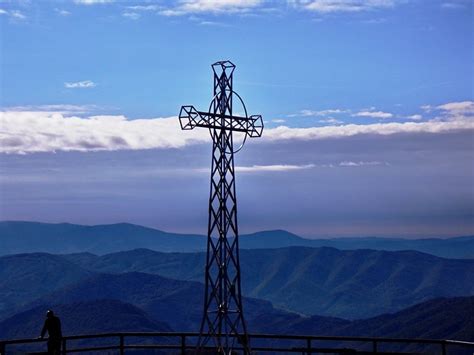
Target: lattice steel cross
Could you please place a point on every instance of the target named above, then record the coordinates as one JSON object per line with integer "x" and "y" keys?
{"x": 223, "y": 321}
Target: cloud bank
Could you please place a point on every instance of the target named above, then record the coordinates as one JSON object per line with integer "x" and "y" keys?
{"x": 29, "y": 132}
{"x": 349, "y": 130}
{"x": 44, "y": 131}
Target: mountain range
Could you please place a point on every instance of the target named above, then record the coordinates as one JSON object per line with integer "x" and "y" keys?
{"x": 141, "y": 301}
{"x": 178, "y": 303}
{"x": 93, "y": 317}
{"x": 445, "y": 318}
{"x": 323, "y": 281}
{"x": 326, "y": 281}
{"x": 125, "y": 277}
{"x": 99, "y": 315}
{"x": 26, "y": 237}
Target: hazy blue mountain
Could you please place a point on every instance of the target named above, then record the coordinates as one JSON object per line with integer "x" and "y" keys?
{"x": 96, "y": 316}
{"x": 164, "y": 299}
{"x": 324, "y": 281}
{"x": 25, "y": 277}
{"x": 450, "y": 318}
{"x": 177, "y": 303}
{"x": 444, "y": 318}
{"x": 439, "y": 319}
{"x": 458, "y": 247}
{"x": 26, "y": 237}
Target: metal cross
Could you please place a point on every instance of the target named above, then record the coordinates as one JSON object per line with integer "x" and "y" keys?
{"x": 223, "y": 323}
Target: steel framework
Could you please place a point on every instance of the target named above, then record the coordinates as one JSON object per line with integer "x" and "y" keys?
{"x": 223, "y": 320}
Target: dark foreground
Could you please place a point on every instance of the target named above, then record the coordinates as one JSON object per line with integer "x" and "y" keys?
{"x": 183, "y": 343}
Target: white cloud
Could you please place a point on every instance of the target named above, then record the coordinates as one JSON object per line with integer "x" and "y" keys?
{"x": 62, "y": 12}
{"x": 25, "y": 130}
{"x": 331, "y": 121}
{"x": 373, "y": 114}
{"x": 313, "y": 113}
{"x": 219, "y": 5}
{"x": 349, "y": 130}
{"x": 211, "y": 6}
{"x": 145, "y": 7}
{"x": 278, "y": 120}
{"x": 58, "y": 108}
{"x": 213, "y": 23}
{"x": 334, "y": 6}
{"x": 172, "y": 12}
{"x": 131, "y": 15}
{"x": 80, "y": 84}
{"x": 427, "y": 108}
{"x": 92, "y": 2}
{"x": 415, "y": 117}
{"x": 294, "y": 167}
{"x": 13, "y": 14}
{"x": 272, "y": 168}
{"x": 360, "y": 163}
{"x": 265, "y": 168}
{"x": 30, "y": 131}
{"x": 457, "y": 108}
{"x": 17, "y": 14}
{"x": 134, "y": 12}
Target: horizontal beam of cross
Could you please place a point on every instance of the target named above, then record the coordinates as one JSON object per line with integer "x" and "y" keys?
{"x": 189, "y": 118}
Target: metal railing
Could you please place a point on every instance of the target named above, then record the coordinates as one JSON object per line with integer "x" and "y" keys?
{"x": 182, "y": 345}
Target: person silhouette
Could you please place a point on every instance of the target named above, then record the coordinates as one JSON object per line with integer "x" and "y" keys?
{"x": 52, "y": 325}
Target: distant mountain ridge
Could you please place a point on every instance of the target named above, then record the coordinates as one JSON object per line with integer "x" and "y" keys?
{"x": 99, "y": 315}
{"x": 445, "y": 318}
{"x": 147, "y": 302}
{"x": 177, "y": 303}
{"x": 323, "y": 281}
{"x": 92, "y": 317}
{"x": 89, "y": 300}
{"x": 24, "y": 277}
{"x": 326, "y": 281}
{"x": 26, "y": 237}
{"x": 442, "y": 318}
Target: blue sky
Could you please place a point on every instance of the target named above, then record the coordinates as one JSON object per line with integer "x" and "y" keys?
{"x": 368, "y": 108}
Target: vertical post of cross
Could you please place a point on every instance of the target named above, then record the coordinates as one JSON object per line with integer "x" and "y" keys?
{"x": 223, "y": 323}
{"x": 223, "y": 320}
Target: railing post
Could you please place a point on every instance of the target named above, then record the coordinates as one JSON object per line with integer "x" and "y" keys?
{"x": 374, "y": 346}
{"x": 122, "y": 349}
{"x": 443, "y": 348}
{"x": 2, "y": 348}
{"x": 308, "y": 346}
{"x": 183, "y": 344}
{"x": 64, "y": 347}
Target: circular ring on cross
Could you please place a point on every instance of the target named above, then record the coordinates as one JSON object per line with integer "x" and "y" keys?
{"x": 214, "y": 106}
